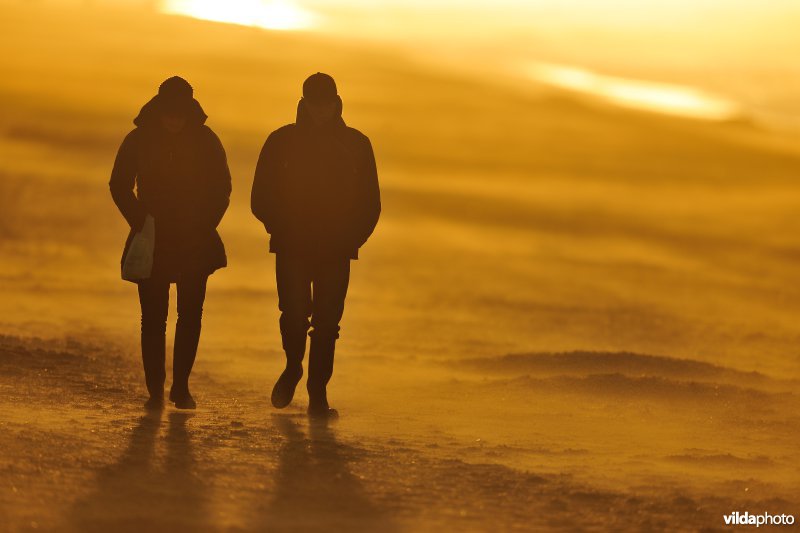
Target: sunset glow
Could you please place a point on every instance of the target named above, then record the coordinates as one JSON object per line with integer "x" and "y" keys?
{"x": 665, "y": 98}
{"x": 272, "y": 15}
{"x": 399, "y": 266}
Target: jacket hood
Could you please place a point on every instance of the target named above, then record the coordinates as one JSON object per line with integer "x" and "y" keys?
{"x": 150, "y": 112}
{"x": 304, "y": 117}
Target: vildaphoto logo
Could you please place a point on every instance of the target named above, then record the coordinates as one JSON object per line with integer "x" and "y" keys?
{"x": 746, "y": 519}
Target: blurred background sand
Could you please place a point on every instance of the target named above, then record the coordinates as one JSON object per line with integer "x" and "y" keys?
{"x": 581, "y": 294}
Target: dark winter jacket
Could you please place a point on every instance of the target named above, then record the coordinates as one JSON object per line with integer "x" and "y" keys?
{"x": 183, "y": 181}
{"x": 316, "y": 188}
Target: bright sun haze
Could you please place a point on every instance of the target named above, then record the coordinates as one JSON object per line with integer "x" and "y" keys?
{"x": 271, "y": 14}
{"x": 578, "y": 311}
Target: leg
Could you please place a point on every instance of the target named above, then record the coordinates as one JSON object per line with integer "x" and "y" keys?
{"x": 191, "y": 295}
{"x": 331, "y": 279}
{"x": 294, "y": 301}
{"x": 154, "y": 301}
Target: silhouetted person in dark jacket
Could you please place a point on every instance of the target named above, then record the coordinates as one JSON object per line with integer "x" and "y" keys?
{"x": 316, "y": 191}
{"x": 180, "y": 172}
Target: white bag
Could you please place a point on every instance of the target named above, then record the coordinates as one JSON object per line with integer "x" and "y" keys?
{"x": 138, "y": 262}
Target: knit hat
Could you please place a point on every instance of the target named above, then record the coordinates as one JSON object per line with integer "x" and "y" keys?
{"x": 319, "y": 88}
{"x": 175, "y": 95}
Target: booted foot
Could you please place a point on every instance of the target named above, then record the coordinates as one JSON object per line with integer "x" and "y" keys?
{"x": 283, "y": 391}
{"x": 155, "y": 403}
{"x": 185, "y": 401}
{"x": 322, "y": 412}
{"x": 182, "y": 399}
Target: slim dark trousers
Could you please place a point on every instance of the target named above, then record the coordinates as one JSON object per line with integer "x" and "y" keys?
{"x": 312, "y": 288}
{"x": 154, "y": 299}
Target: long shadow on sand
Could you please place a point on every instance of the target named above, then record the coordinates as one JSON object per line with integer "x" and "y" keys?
{"x": 314, "y": 487}
{"x": 138, "y": 494}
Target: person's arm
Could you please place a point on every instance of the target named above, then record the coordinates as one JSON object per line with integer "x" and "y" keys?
{"x": 370, "y": 195}
{"x": 262, "y": 194}
{"x": 219, "y": 181}
{"x": 123, "y": 181}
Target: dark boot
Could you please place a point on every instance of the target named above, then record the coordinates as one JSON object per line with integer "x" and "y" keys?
{"x": 283, "y": 391}
{"x": 182, "y": 398}
{"x": 320, "y": 369}
{"x": 154, "y": 404}
{"x": 187, "y": 337}
{"x": 319, "y": 411}
{"x": 153, "y": 355}
{"x": 294, "y": 345}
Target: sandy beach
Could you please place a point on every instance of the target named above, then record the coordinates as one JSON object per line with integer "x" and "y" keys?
{"x": 572, "y": 316}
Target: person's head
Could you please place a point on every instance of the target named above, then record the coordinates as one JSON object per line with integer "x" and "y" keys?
{"x": 320, "y": 97}
{"x": 175, "y": 98}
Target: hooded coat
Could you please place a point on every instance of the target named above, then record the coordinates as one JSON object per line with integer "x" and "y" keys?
{"x": 316, "y": 188}
{"x": 183, "y": 181}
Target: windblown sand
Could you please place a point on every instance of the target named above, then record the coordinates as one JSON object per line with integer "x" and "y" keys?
{"x": 570, "y": 317}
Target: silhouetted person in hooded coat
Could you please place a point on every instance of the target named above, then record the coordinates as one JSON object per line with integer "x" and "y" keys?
{"x": 179, "y": 169}
{"x": 316, "y": 192}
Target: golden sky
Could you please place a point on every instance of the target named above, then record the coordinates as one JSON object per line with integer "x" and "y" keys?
{"x": 589, "y": 46}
